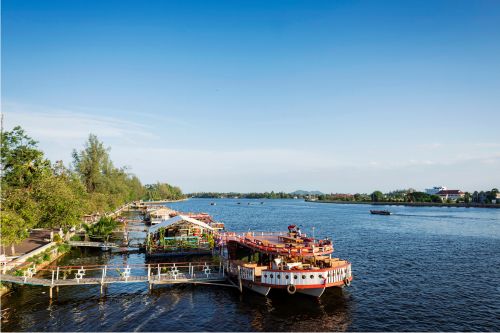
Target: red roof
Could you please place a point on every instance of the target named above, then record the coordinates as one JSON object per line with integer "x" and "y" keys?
{"x": 448, "y": 192}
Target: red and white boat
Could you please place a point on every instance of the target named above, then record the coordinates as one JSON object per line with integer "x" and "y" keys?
{"x": 262, "y": 261}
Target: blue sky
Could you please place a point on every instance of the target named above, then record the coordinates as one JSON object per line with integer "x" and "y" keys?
{"x": 339, "y": 96}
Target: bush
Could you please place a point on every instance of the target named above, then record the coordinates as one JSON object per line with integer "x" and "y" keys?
{"x": 57, "y": 238}
{"x": 75, "y": 238}
{"x": 63, "y": 248}
{"x": 19, "y": 272}
{"x": 46, "y": 256}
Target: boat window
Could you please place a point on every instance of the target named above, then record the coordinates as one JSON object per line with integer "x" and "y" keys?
{"x": 286, "y": 277}
{"x": 312, "y": 276}
{"x": 295, "y": 277}
{"x": 265, "y": 275}
{"x": 320, "y": 276}
{"x": 278, "y": 276}
{"x": 271, "y": 276}
{"x": 303, "y": 276}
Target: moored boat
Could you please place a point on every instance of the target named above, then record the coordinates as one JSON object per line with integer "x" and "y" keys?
{"x": 262, "y": 261}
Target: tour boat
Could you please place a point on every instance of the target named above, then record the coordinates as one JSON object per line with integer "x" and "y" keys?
{"x": 262, "y": 261}
{"x": 380, "y": 212}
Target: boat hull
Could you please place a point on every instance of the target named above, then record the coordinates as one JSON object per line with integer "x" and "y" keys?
{"x": 256, "y": 287}
{"x": 316, "y": 292}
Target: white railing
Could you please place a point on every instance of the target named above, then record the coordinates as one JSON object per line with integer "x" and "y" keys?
{"x": 247, "y": 273}
{"x": 306, "y": 277}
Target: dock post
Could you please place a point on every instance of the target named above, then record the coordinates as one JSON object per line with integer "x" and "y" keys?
{"x": 239, "y": 279}
{"x": 57, "y": 274}
{"x": 52, "y": 282}
{"x": 159, "y": 272}
{"x": 50, "y": 292}
{"x": 190, "y": 274}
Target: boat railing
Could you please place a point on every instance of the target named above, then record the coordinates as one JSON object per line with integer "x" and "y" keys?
{"x": 253, "y": 233}
{"x": 247, "y": 273}
{"x": 307, "y": 277}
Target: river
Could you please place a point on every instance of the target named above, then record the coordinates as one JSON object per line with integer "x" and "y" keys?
{"x": 420, "y": 269}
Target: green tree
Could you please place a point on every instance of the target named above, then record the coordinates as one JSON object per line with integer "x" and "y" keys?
{"x": 108, "y": 186}
{"x": 92, "y": 163}
{"x": 436, "y": 198}
{"x": 13, "y": 228}
{"x": 102, "y": 229}
{"x": 377, "y": 196}
{"x": 163, "y": 191}
{"x": 22, "y": 162}
{"x": 61, "y": 200}
{"x": 467, "y": 197}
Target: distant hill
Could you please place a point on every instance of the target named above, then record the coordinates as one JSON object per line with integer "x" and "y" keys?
{"x": 301, "y": 192}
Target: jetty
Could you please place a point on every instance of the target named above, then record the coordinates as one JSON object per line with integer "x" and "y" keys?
{"x": 93, "y": 244}
{"x": 104, "y": 275}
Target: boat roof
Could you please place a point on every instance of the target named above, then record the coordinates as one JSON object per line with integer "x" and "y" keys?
{"x": 178, "y": 219}
{"x": 283, "y": 243}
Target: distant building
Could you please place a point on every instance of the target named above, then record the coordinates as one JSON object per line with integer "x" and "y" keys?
{"x": 450, "y": 194}
{"x": 435, "y": 190}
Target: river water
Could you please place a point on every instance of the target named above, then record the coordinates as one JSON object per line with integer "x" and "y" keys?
{"x": 420, "y": 269}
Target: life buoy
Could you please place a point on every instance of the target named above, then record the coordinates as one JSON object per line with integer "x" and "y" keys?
{"x": 347, "y": 283}
{"x": 291, "y": 289}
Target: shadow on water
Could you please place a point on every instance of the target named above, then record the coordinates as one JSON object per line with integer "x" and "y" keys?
{"x": 282, "y": 312}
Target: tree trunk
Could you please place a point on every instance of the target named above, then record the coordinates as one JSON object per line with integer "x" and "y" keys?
{"x": 12, "y": 249}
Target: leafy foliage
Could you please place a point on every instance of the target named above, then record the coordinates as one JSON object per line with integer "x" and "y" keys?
{"x": 102, "y": 229}
{"x": 36, "y": 193}
{"x": 108, "y": 187}
{"x": 163, "y": 191}
{"x": 22, "y": 162}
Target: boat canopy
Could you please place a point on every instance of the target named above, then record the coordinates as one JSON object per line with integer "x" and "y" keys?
{"x": 178, "y": 219}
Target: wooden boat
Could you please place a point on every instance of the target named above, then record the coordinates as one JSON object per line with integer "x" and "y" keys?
{"x": 262, "y": 261}
{"x": 380, "y": 212}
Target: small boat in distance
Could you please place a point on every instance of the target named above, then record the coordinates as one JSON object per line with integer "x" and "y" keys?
{"x": 212, "y": 204}
{"x": 380, "y": 212}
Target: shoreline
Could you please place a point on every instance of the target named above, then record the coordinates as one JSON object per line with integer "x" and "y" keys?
{"x": 411, "y": 204}
{"x": 163, "y": 201}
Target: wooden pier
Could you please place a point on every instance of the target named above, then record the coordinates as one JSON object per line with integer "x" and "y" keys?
{"x": 104, "y": 275}
{"x": 93, "y": 244}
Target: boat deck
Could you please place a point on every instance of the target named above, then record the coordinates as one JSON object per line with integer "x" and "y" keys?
{"x": 283, "y": 243}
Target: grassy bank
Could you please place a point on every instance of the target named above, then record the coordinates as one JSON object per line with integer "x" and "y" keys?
{"x": 414, "y": 204}
{"x": 43, "y": 259}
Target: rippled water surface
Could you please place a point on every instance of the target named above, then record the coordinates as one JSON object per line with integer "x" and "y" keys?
{"x": 421, "y": 269}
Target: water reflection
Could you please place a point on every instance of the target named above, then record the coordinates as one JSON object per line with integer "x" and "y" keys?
{"x": 282, "y": 312}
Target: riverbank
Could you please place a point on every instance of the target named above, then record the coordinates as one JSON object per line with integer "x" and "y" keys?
{"x": 413, "y": 204}
{"x": 158, "y": 202}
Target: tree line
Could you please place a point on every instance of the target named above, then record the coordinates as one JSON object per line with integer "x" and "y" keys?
{"x": 253, "y": 195}
{"x": 36, "y": 193}
{"x": 411, "y": 195}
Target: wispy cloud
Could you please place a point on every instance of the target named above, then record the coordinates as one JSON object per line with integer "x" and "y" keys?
{"x": 142, "y": 146}
{"x": 68, "y": 124}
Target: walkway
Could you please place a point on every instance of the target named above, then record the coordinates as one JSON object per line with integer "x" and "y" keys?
{"x": 152, "y": 274}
